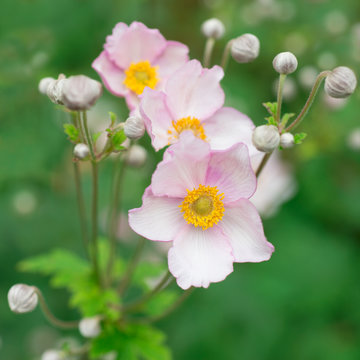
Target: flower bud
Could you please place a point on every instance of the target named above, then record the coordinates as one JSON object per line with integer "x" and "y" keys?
{"x": 136, "y": 156}
{"x": 341, "y": 82}
{"x": 81, "y": 151}
{"x": 287, "y": 140}
{"x": 55, "y": 89}
{"x": 80, "y": 92}
{"x": 285, "y": 63}
{"x": 245, "y": 48}
{"x": 52, "y": 355}
{"x": 213, "y": 28}
{"x": 134, "y": 127}
{"x": 266, "y": 138}
{"x": 22, "y": 298}
{"x": 44, "y": 84}
{"x": 90, "y": 327}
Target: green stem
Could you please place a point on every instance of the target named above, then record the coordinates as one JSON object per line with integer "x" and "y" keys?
{"x": 141, "y": 302}
{"x": 77, "y": 120}
{"x": 88, "y": 137}
{"x": 262, "y": 164}
{"x": 309, "y": 101}
{"x": 53, "y": 319}
{"x": 226, "y": 54}
{"x": 279, "y": 97}
{"x": 209, "y": 46}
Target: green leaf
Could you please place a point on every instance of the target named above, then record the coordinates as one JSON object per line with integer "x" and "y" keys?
{"x": 298, "y": 138}
{"x": 159, "y": 303}
{"x": 96, "y": 136}
{"x": 286, "y": 118}
{"x": 112, "y": 118}
{"x": 117, "y": 139}
{"x": 72, "y": 132}
{"x": 271, "y": 107}
{"x": 271, "y": 120}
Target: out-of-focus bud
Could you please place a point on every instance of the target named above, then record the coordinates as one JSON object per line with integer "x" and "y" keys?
{"x": 245, "y": 48}
{"x": 213, "y": 28}
{"x": 22, "y": 298}
{"x": 90, "y": 327}
{"x": 341, "y": 82}
{"x": 52, "y": 355}
{"x": 266, "y": 138}
{"x": 44, "y": 84}
{"x": 80, "y": 92}
{"x": 287, "y": 140}
{"x": 353, "y": 139}
{"x": 81, "y": 151}
{"x": 136, "y": 156}
{"x": 134, "y": 127}
{"x": 55, "y": 90}
{"x": 285, "y": 63}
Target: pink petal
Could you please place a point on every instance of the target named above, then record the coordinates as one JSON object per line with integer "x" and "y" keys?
{"x": 242, "y": 226}
{"x": 185, "y": 169}
{"x": 228, "y": 127}
{"x": 134, "y": 44}
{"x": 156, "y": 117}
{"x": 200, "y": 257}
{"x": 112, "y": 77}
{"x": 132, "y": 101}
{"x": 230, "y": 170}
{"x": 158, "y": 219}
{"x": 194, "y": 91}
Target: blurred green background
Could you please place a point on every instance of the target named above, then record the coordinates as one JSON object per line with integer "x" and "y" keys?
{"x": 302, "y": 304}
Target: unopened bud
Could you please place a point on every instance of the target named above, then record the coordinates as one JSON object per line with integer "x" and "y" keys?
{"x": 136, "y": 156}
{"x": 134, "y": 127}
{"x": 22, "y": 298}
{"x": 245, "y": 48}
{"x": 81, "y": 151}
{"x": 80, "y": 92}
{"x": 266, "y": 138}
{"x": 55, "y": 90}
{"x": 213, "y": 28}
{"x": 341, "y": 82}
{"x": 44, "y": 84}
{"x": 90, "y": 327}
{"x": 285, "y": 63}
{"x": 53, "y": 355}
{"x": 287, "y": 140}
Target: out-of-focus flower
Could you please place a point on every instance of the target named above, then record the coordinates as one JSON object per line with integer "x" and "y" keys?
{"x": 266, "y": 138}
{"x": 199, "y": 199}
{"x": 245, "y": 48}
{"x": 285, "y": 63}
{"x": 213, "y": 28}
{"x": 90, "y": 327}
{"x": 336, "y": 22}
{"x": 134, "y": 127}
{"x": 326, "y": 60}
{"x": 136, "y": 57}
{"x": 136, "y": 156}
{"x": 353, "y": 139}
{"x": 53, "y": 355}
{"x": 25, "y": 202}
{"x": 307, "y": 76}
{"x": 192, "y": 100}
{"x": 296, "y": 42}
{"x": 22, "y": 298}
{"x": 341, "y": 82}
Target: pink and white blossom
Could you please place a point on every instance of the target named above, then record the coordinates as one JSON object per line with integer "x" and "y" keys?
{"x": 198, "y": 198}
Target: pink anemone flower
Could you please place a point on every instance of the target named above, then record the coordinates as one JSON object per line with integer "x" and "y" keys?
{"x": 198, "y": 198}
{"x": 192, "y": 99}
{"x": 135, "y": 57}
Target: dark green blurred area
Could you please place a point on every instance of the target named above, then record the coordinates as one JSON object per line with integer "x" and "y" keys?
{"x": 302, "y": 304}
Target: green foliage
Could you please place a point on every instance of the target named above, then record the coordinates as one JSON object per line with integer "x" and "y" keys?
{"x": 146, "y": 271}
{"x": 72, "y": 132}
{"x": 271, "y": 120}
{"x": 298, "y": 138}
{"x": 286, "y": 117}
{"x": 271, "y": 107}
{"x": 113, "y": 118}
{"x": 131, "y": 342}
{"x": 96, "y": 136}
{"x": 117, "y": 139}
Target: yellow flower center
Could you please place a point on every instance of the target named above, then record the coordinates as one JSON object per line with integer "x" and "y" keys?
{"x": 188, "y": 123}
{"x": 140, "y": 75}
{"x": 203, "y": 206}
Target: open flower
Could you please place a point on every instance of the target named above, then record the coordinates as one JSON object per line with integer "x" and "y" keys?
{"x": 192, "y": 99}
{"x": 199, "y": 199}
{"x": 135, "y": 57}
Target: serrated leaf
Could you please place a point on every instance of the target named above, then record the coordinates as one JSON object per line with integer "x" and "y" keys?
{"x": 271, "y": 107}
{"x": 271, "y": 120}
{"x": 117, "y": 139}
{"x": 298, "y": 138}
{"x": 72, "y": 132}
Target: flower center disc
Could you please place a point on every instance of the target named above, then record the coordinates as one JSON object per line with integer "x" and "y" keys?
{"x": 188, "y": 123}
{"x": 203, "y": 206}
{"x": 140, "y": 75}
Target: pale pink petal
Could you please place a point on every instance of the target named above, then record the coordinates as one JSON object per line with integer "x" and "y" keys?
{"x": 173, "y": 57}
{"x": 242, "y": 226}
{"x": 230, "y": 170}
{"x": 132, "y": 101}
{"x": 200, "y": 257}
{"x": 112, "y": 77}
{"x": 228, "y": 127}
{"x": 135, "y": 44}
{"x": 158, "y": 219}
{"x": 185, "y": 169}
{"x": 156, "y": 117}
{"x": 194, "y": 91}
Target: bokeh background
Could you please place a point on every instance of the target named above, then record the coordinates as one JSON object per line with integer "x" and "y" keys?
{"x": 302, "y": 304}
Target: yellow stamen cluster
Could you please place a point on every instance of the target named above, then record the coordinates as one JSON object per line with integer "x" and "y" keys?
{"x": 203, "y": 206}
{"x": 140, "y": 75}
{"x": 188, "y": 123}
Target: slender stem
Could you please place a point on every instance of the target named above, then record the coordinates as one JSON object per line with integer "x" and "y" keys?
{"x": 77, "y": 120}
{"x": 262, "y": 164}
{"x": 279, "y": 97}
{"x": 116, "y": 203}
{"x": 131, "y": 267}
{"x": 226, "y": 54}
{"x": 141, "y": 302}
{"x": 53, "y": 319}
{"x": 209, "y": 46}
{"x": 309, "y": 101}
{"x": 88, "y": 137}
{"x": 81, "y": 207}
